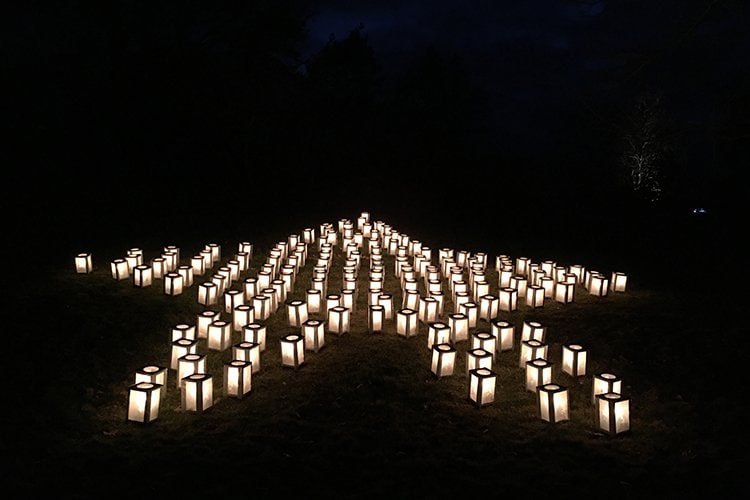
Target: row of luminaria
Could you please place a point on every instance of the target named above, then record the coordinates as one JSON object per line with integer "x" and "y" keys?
{"x": 425, "y": 282}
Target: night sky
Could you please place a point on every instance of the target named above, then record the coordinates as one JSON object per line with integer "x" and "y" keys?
{"x": 165, "y": 117}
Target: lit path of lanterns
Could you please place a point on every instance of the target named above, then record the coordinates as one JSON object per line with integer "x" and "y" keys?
{"x": 445, "y": 291}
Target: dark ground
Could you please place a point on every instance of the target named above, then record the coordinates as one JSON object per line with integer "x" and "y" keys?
{"x": 364, "y": 417}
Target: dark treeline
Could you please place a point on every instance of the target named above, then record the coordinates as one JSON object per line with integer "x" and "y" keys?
{"x": 169, "y": 116}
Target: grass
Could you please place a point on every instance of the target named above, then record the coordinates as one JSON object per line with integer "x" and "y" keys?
{"x": 365, "y": 416}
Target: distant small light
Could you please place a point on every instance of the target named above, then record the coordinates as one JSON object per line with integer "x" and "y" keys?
{"x": 699, "y": 210}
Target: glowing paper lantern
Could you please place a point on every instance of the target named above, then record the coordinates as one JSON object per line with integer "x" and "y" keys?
{"x": 407, "y": 322}
{"x": 120, "y": 269}
{"x": 313, "y": 298}
{"x": 604, "y": 383}
{"x": 508, "y": 299}
{"x": 219, "y": 335}
{"x": 533, "y": 330}
{"x": 613, "y": 413}
{"x": 522, "y": 264}
{"x": 619, "y": 281}
{"x": 482, "y": 383}
{"x": 198, "y": 264}
{"x": 83, "y": 263}
{"x": 296, "y": 312}
{"x": 443, "y": 360}
{"x": 520, "y": 283}
{"x": 565, "y": 292}
{"x": 247, "y": 351}
{"x": 204, "y": 319}
{"x": 232, "y": 299}
{"x": 375, "y": 318}
{"x": 386, "y": 300}
{"x": 548, "y": 284}
{"x": 250, "y": 287}
{"x": 333, "y": 300}
{"x": 411, "y": 300}
{"x": 197, "y": 393}
{"x": 599, "y": 285}
{"x": 489, "y": 305}
{"x": 438, "y": 332}
{"x": 189, "y": 364}
{"x": 262, "y": 304}
{"x": 241, "y": 316}
{"x": 338, "y": 319}
{"x": 504, "y": 332}
{"x": 143, "y": 275}
{"x": 471, "y": 310}
{"x": 143, "y": 402}
{"x": 574, "y": 360}
{"x": 531, "y": 349}
{"x": 208, "y": 293}
{"x": 478, "y": 358}
{"x": 314, "y": 332}
{"x": 484, "y": 340}
{"x": 180, "y": 347}
{"x": 349, "y": 299}
{"x": 215, "y": 249}
{"x": 187, "y": 275}
{"x": 153, "y": 374}
{"x": 459, "y": 325}
{"x": 440, "y": 297}
{"x": 255, "y": 332}
{"x": 428, "y": 309}
{"x": 183, "y": 331}
{"x": 535, "y": 296}
{"x": 504, "y": 276}
{"x": 173, "y": 283}
{"x": 553, "y": 403}
{"x": 538, "y": 372}
{"x": 293, "y": 350}
{"x": 238, "y": 377}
